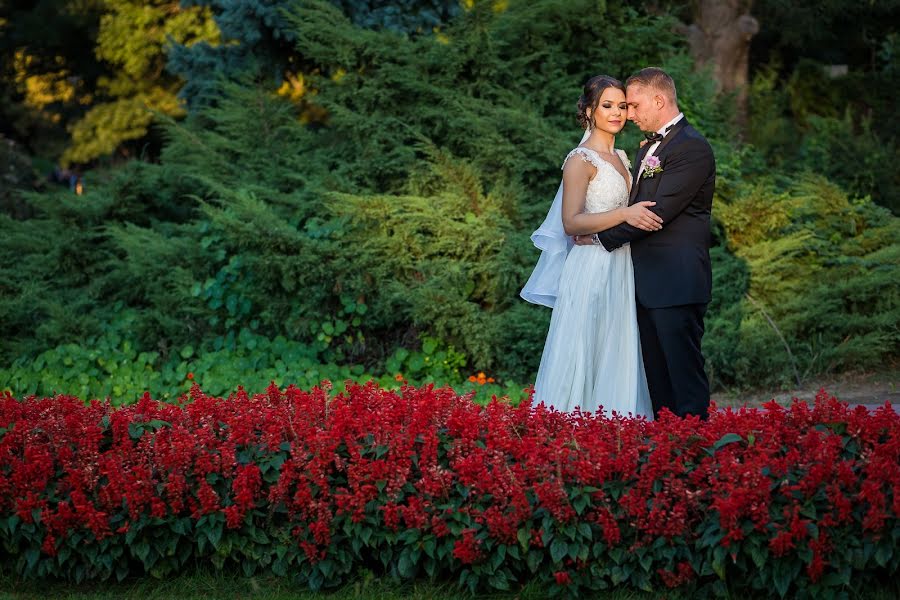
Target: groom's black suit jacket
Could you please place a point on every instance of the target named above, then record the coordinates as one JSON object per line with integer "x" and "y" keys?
{"x": 672, "y": 266}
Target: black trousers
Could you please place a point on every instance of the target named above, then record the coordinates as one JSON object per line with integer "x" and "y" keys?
{"x": 670, "y": 344}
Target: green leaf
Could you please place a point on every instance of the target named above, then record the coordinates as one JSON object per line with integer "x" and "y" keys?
{"x": 249, "y": 567}
{"x": 558, "y": 550}
{"x": 580, "y": 503}
{"x": 214, "y": 534}
{"x": 187, "y": 352}
{"x": 728, "y": 438}
{"x": 524, "y": 537}
{"x": 181, "y": 526}
{"x": 327, "y": 567}
{"x": 884, "y": 552}
{"x": 405, "y": 567}
{"x": 135, "y": 430}
{"x": 535, "y": 557}
{"x": 498, "y": 581}
{"x": 11, "y": 523}
{"x": 31, "y": 557}
{"x": 647, "y": 561}
{"x": 759, "y": 555}
{"x": 141, "y": 550}
{"x": 279, "y": 567}
{"x": 782, "y": 576}
{"x": 718, "y": 562}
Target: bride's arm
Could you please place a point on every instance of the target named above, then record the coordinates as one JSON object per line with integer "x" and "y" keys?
{"x": 576, "y": 177}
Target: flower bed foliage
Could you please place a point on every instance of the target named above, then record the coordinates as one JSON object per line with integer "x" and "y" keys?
{"x": 112, "y": 367}
{"x": 424, "y": 483}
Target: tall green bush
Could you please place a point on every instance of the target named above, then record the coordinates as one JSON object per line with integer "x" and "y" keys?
{"x": 407, "y": 213}
{"x": 822, "y": 292}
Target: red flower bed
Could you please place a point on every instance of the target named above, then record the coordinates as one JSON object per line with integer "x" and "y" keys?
{"x": 424, "y": 483}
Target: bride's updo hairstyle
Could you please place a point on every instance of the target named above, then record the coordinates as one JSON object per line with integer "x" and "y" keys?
{"x": 589, "y": 99}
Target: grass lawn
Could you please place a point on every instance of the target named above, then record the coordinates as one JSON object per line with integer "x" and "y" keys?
{"x": 207, "y": 585}
{"x": 210, "y": 585}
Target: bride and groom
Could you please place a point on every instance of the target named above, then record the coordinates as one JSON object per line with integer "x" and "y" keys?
{"x": 625, "y": 263}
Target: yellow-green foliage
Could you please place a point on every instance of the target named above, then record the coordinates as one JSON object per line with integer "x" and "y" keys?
{"x": 133, "y": 39}
{"x": 823, "y": 271}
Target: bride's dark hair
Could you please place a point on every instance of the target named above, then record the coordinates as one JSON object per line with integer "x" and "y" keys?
{"x": 593, "y": 89}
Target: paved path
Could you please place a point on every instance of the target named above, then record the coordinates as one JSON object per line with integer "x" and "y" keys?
{"x": 896, "y": 406}
{"x": 871, "y": 391}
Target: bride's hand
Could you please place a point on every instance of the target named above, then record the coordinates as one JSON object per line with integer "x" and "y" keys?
{"x": 639, "y": 215}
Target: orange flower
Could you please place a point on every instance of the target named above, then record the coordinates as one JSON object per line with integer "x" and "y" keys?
{"x": 472, "y": 378}
{"x": 490, "y": 380}
{"x": 398, "y": 377}
{"x": 190, "y": 376}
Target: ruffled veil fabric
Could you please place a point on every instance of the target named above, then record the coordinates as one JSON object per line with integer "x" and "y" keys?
{"x": 550, "y": 238}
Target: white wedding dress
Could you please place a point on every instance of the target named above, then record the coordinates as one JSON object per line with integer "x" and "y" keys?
{"x": 592, "y": 357}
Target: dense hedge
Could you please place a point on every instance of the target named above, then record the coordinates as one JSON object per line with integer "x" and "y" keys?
{"x": 406, "y": 213}
{"x": 800, "y": 501}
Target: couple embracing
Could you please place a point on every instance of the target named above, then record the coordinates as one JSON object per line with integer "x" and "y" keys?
{"x": 625, "y": 262}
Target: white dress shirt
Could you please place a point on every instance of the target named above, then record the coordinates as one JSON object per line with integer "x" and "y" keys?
{"x": 663, "y": 131}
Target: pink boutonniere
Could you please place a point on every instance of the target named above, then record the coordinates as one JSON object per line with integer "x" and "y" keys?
{"x": 651, "y": 167}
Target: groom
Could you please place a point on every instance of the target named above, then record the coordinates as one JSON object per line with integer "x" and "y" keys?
{"x": 673, "y": 280}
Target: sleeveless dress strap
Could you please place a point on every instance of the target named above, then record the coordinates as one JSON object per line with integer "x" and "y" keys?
{"x": 586, "y": 154}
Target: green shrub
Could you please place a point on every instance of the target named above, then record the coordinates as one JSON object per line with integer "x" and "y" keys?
{"x": 112, "y": 367}
{"x": 821, "y": 296}
{"x": 406, "y": 214}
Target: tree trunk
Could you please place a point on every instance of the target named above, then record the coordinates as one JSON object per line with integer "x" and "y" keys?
{"x": 720, "y": 36}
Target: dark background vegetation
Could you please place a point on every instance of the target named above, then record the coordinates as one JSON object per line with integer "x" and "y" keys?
{"x": 300, "y": 189}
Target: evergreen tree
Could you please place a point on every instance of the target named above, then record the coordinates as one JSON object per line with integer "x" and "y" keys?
{"x": 261, "y": 42}
{"x": 407, "y": 211}
{"x": 48, "y": 70}
{"x": 402, "y": 16}
{"x": 133, "y": 39}
{"x": 826, "y": 77}
{"x": 820, "y": 296}
{"x": 257, "y": 44}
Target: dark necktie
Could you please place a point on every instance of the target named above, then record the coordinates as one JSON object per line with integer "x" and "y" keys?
{"x": 654, "y": 137}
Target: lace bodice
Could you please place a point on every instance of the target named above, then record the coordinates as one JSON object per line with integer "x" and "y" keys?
{"x": 607, "y": 190}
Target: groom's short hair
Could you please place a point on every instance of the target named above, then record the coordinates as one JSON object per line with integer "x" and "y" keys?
{"x": 657, "y": 79}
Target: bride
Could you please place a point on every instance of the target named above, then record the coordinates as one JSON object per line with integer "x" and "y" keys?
{"x": 592, "y": 357}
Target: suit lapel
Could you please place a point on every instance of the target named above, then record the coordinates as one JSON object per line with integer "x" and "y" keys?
{"x": 671, "y": 135}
